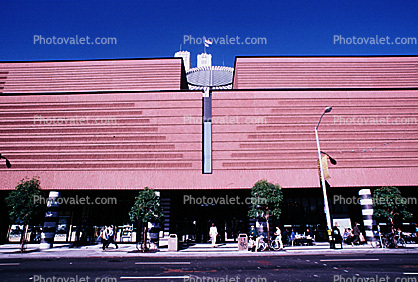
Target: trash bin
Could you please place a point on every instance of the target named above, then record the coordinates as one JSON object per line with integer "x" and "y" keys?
{"x": 331, "y": 243}
{"x": 242, "y": 242}
{"x": 173, "y": 243}
{"x": 331, "y": 239}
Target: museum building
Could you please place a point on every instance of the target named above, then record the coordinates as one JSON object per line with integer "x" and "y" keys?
{"x": 108, "y": 128}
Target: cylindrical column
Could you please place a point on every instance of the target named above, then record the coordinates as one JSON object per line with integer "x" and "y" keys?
{"x": 51, "y": 220}
{"x": 366, "y": 202}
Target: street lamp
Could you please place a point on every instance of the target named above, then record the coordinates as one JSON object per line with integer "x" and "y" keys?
{"x": 8, "y": 164}
{"x": 324, "y": 190}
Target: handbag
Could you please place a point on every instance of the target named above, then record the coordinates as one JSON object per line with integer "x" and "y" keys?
{"x": 362, "y": 239}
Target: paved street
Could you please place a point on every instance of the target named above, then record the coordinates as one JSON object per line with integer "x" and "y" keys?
{"x": 347, "y": 267}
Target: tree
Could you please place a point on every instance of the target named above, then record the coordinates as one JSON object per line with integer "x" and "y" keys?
{"x": 265, "y": 202}
{"x": 146, "y": 209}
{"x": 23, "y": 208}
{"x": 389, "y": 205}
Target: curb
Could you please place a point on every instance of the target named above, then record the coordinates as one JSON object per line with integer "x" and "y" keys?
{"x": 130, "y": 252}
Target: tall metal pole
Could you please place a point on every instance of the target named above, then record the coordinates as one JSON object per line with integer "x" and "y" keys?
{"x": 324, "y": 189}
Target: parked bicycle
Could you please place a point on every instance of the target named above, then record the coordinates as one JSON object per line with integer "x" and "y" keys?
{"x": 266, "y": 244}
{"x": 390, "y": 240}
{"x": 149, "y": 246}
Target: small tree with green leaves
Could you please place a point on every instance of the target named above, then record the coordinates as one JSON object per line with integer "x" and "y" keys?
{"x": 146, "y": 209}
{"x": 23, "y": 208}
{"x": 389, "y": 205}
{"x": 265, "y": 202}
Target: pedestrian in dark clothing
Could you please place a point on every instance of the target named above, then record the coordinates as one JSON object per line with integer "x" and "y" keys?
{"x": 356, "y": 233}
{"x": 105, "y": 237}
{"x": 309, "y": 234}
{"x": 254, "y": 236}
{"x": 112, "y": 237}
{"x": 336, "y": 236}
{"x": 286, "y": 236}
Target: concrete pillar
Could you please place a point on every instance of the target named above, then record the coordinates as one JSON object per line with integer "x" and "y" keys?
{"x": 51, "y": 221}
{"x": 366, "y": 202}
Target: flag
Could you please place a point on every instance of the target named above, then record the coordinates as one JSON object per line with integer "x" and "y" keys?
{"x": 324, "y": 168}
{"x": 207, "y": 42}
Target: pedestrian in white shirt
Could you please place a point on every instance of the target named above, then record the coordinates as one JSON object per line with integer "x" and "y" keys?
{"x": 278, "y": 234}
{"x": 105, "y": 237}
{"x": 213, "y": 232}
{"x": 111, "y": 237}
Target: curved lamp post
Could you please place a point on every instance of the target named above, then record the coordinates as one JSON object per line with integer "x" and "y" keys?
{"x": 324, "y": 190}
{"x": 8, "y": 164}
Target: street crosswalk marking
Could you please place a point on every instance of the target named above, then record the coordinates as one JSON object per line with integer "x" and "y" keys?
{"x": 154, "y": 277}
{"x": 350, "y": 259}
{"x": 163, "y": 262}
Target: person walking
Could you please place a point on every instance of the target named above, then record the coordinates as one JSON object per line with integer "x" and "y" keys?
{"x": 105, "y": 237}
{"x": 213, "y": 232}
{"x": 254, "y": 236}
{"x": 292, "y": 236}
{"x": 112, "y": 237}
{"x": 278, "y": 234}
{"x": 285, "y": 236}
{"x": 356, "y": 233}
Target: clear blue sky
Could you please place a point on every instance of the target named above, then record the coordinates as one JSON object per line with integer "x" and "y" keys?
{"x": 147, "y": 29}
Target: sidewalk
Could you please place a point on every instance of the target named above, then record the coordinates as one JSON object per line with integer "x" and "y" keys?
{"x": 11, "y": 251}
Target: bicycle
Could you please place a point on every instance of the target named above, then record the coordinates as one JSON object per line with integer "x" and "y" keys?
{"x": 400, "y": 241}
{"x": 391, "y": 240}
{"x": 275, "y": 245}
{"x": 149, "y": 246}
{"x": 268, "y": 244}
{"x": 378, "y": 242}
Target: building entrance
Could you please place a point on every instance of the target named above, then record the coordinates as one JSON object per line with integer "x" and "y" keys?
{"x": 192, "y": 220}
{"x": 195, "y": 225}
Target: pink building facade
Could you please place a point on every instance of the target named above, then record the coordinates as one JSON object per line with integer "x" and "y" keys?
{"x": 111, "y": 127}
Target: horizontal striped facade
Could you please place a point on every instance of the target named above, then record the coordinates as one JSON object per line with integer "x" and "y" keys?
{"x": 156, "y": 139}
{"x": 92, "y": 141}
{"x": 135, "y": 132}
{"x": 98, "y": 75}
{"x": 270, "y": 134}
{"x": 325, "y": 72}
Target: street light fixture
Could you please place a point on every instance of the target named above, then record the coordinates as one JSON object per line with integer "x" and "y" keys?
{"x": 324, "y": 190}
{"x": 331, "y": 159}
{"x": 8, "y": 164}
